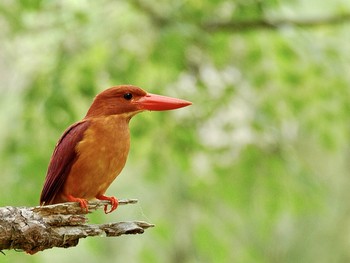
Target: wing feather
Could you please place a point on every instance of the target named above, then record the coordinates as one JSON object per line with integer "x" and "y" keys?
{"x": 62, "y": 160}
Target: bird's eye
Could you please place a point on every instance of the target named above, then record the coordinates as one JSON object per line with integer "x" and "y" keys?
{"x": 128, "y": 96}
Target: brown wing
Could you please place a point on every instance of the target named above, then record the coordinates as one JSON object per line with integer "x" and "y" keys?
{"x": 62, "y": 160}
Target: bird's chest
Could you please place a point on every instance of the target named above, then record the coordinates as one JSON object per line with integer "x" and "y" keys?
{"x": 101, "y": 155}
{"x": 107, "y": 142}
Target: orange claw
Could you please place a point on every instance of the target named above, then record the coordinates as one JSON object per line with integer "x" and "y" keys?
{"x": 112, "y": 199}
{"x": 82, "y": 202}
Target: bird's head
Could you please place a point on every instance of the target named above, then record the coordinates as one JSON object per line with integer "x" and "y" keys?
{"x": 129, "y": 100}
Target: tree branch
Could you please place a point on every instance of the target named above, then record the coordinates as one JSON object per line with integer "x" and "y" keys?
{"x": 236, "y": 25}
{"x": 34, "y": 229}
{"x": 245, "y": 25}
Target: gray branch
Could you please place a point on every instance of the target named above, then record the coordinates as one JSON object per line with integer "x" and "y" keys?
{"x": 34, "y": 229}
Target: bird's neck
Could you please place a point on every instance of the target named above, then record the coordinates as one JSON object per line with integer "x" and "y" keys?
{"x": 113, "y": 124}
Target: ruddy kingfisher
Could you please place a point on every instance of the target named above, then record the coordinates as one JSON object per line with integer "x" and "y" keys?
{"x": 92, "y": 152}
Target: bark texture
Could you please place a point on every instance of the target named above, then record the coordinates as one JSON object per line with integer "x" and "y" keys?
{"x": 34, "y": 229}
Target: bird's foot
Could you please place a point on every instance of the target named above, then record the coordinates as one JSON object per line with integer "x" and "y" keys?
{"x": 112, "y": 199}
{"x": 82, "y": 202}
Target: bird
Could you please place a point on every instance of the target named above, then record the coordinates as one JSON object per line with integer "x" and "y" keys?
{"x": 92, "y": 152}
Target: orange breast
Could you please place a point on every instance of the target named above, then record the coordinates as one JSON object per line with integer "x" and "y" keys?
{"x": 101, "y": 156}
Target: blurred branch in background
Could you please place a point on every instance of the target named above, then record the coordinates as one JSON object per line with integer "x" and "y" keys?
{"x": 162, "y": 19}
{"x": 263, "y": 23}
{"x": 34, "y": 229}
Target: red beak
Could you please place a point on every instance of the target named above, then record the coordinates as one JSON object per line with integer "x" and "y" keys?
{"x": 159, "y": 103}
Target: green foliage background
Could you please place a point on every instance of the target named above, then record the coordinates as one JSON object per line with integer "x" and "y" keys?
{"x": 256, "y": 170}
